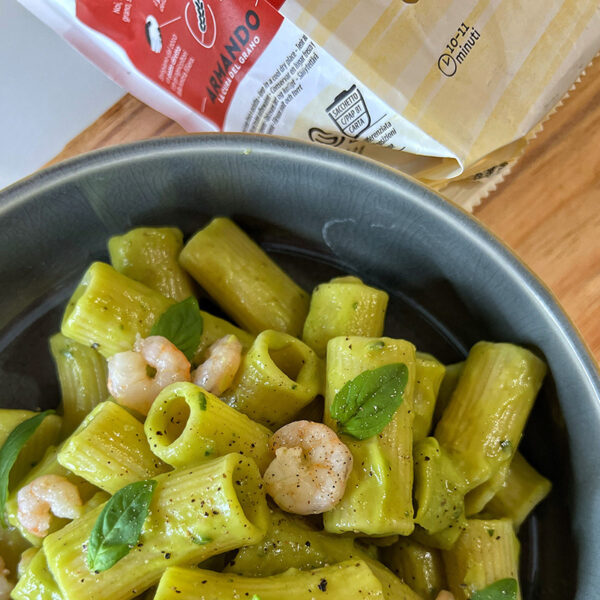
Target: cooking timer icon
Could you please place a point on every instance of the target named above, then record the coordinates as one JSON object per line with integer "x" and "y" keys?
{"x": 349, "y": 112}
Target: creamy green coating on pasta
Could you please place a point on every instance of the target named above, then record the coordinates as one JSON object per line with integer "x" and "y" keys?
{"x": 289, "y": 450}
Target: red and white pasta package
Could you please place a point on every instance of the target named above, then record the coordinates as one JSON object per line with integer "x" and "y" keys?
{"x": 441, "y": 90}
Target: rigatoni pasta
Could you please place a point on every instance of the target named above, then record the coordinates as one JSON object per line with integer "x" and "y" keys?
{"x": 243, "y": 280}
{"x": 483, "y": 424}
{"x": 110, "y": 449}
{"x": 351, "y": 579}
{"x": 150, "y": 255}
{"x": 429, "y": 375}
{"x": 292, "y": 542}
{"x": 378, "y": 498}
{"x": 439, "y": 487}
{"x": 216, "y": 328}
{"x": 522, "y": 489}
{"x": 486, "y": 552}
{"x": 195, "y": 513}
{"x": 108, "y": 309}
{"x": 420, "y": 567}
{"x": 278, "y": 377}
{"x": 187, "y": 424}
{"x": 37, "y": 581}
{"x": 375, "y": 451}
{"x": 343, "y": 306}
{"x": 82, "y": 374}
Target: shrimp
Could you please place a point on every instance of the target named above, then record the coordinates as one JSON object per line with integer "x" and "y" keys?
{"x": 311, "y": 467}
{"x": 5, "y": 585}
{"x": 128, "y": 379}
{"x": 217, "y": 372}
{"x": 47, "y": 493}
{"x": 445, "y": 595}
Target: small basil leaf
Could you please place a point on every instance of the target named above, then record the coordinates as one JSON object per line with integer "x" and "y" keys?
{"x": 119, "y": 525}
{"x": 10, "y": 452}
{"x": 255, "y": 597}
{"x": 503, "y": 589}
{"x": 183, "y": 325}
{"x": 366, "y": 404}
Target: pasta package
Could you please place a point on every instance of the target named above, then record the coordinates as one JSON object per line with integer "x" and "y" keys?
{"x": 445, "y": 91}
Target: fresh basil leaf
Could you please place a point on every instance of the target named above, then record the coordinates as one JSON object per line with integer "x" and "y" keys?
{"x": 10, "y": 452}
{"x": 255, "y": 597}
{"x": 366, "y": 404}
{"x": 183, "y": 325}
{"x": 119, "y": 525}
{"x": 503, "y": 589}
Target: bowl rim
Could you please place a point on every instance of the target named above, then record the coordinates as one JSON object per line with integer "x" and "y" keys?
{"x": 247, "y": 142}
{"x": 433, "y": 204}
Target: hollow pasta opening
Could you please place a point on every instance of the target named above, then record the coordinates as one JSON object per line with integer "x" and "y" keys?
{"x": 288, "y": 359}
{"x": 248, "y": 486}
{"x": 174, "y": 419}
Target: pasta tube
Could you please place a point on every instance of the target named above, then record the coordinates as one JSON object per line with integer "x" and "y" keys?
{"x": 487, "y": 551}
{"x": 216, "y": 328}
{"x": 37, "y": 582}
{"x": 350, "y": 579}
{"x": 482, "y": 426}
{"x": 378, "y": 497}
{"x": 108, "y": 310}
{"x": 439, "y": 488}
{"x": 442, "y": 540}
{"x": 243, "y": 280}
{"x": 195, "y": 513}
{"x": 278, "y": 377}
{"x": 46, "y": 434}
{"x": 429, "y": 375}
{"x": 447, "y": 387}
{"x": 82, "y": 374}
{"x": 150, "y": 255}
{"x": 420, "y": 567}
{"x": 521, "y": 491}
{"x": 110, "y": 449}
{"x": 187, "y": 424}
{"x": 290, "y": 542}
{"x": 393, "y": 588}
{"x": 476, "y": 499}
{"x": 344, "y": 306}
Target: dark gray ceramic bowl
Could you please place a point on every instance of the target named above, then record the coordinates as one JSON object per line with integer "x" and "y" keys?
{"x": 320, "y": 212}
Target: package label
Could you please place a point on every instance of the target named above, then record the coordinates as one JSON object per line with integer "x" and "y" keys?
{"x": 199, "y": 50}
{"x": 446, "y": 92}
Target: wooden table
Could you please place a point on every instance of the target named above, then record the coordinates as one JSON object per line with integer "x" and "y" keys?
{"x": 547, "y": 210}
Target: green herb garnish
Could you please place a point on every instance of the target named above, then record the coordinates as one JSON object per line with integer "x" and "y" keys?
{"x": 10, "y": 452}
{"x": 118, "y": 528}
{"x": 201, "y": 540}
{"x": 378, "y": 345}
{"x": 367, "y": 403}
{"x": 503, "y": 589}
{"x": 182, "y": 324}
